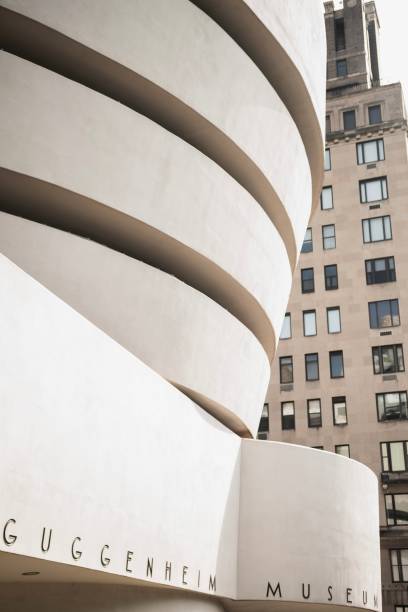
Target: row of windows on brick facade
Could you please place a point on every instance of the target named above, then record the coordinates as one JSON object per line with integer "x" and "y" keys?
{"x": 375, "y": 229}
{"x": 349, "y": 116}
{"x": 368, "y": 152}
{"x": 381, "y": 314}
{"x": 377, "y": 271}
{"x": 371, "y": 190}
{"x": 391, "y": 405}
{"x": 386, "y": 359}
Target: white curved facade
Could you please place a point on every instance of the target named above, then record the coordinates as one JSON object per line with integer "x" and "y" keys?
{"x": 157, "y": 173}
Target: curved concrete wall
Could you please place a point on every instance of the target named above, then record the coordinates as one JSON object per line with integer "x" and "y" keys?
{"x": 107, "y": 486}
{"x": 121, "y": 159}
{"x": 246, "y": 110}
{"x": 174, "y": 329}
{"x": 295, "y": 66}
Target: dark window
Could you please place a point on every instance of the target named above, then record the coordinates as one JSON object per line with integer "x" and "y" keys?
{"x": 339, "y": 410}
{"x": 326, "y": 198}
{"x": 396, "y": 508}
{"x": 336, "y": 364}
{"x": 307, "y": 280}
{"x": 327, "y": 159}
{"x": 384, "y": 313}
{"x": 286, "y": 331}
{"x": 329, "y": 237}
{"x": 341, "y": 68}
{"x": 309, "y": 323}
{"x": 381, "y": 270}
{"x": 330, "y": 277}
{"x": 373, "y": 190}
{"x": 370, "y": 151}
{"x": 392, "y": 406}
{"x": 312, "y": 366}
{"x": 342, "y": 449}
{"x": 388, "y": 359}
{"x": 349, "y": 120}
{"x": 399, "y": 569}
{"x": 314, "y": 413}
{"x": 374, "y": 114}
{"x": 286, "y": 370}
{"x": 377, "y": 229}
{"x": 288, "y": 415}
{"x": 318, "y": 447}
{"x": 394, "y": 456}
{"x": 307, "y": 246}
{"x": 339, "y": 34}
{"x": 264, "y": 422}
{"x": 328, "y": 124}
{"x": 333, "y": 320}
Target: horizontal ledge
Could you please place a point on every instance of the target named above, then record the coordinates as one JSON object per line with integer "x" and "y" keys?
{"x": 57, "y": 207}
{"x": 54, "y": 51}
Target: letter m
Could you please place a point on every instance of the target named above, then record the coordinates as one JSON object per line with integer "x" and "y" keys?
{"x": 277, "y": 589}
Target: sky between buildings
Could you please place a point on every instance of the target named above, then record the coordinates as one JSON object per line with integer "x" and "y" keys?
{"x": 393, "y": 51}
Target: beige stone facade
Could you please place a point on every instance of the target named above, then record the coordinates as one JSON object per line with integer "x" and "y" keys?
{"x": 348, "y": 235}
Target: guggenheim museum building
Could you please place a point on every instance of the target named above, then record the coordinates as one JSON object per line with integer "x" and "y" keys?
{"x": 159, "y": 162}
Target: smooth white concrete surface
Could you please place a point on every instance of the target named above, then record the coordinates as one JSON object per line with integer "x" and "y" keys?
{"x": 125, "y": 161}
{"x": 100, "y": 598}
{"x": 180, "y": 333}
{"x": 96, "y": 445}
{"x": 190, "y": 56}
{"x": 112, "y": 454}
{"x": 282, "y": 19}
{"x": 318, "y": 512}
{"x": 294, "y": 65}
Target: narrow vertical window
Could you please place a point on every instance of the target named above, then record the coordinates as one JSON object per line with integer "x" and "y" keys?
{"x": 339, "y": 410}
{"x": 286, "y": 331}
{"x": 331, "y": 280}
{"x": 374, "y": 114}
{"x": 327, "y": 159}
{"x": 314, "y": 413}
{"x": 329, "y": 237}
{"x": 307, "y": 280}
{"x": 309, "y": 323}
{"x": 286, "y": 370}
{"x": 263, "y": 428}
{"x": 312, "y": 366}
{"x": 336, "y": 364}
{"x": 349, "y": 120}
{"x": 333, "y": 320}
{"x": 288, "y": 415}
{"x": 307, "y": 246}
{"x": 326, "y": 198}
{"x": 341, "y": 68}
